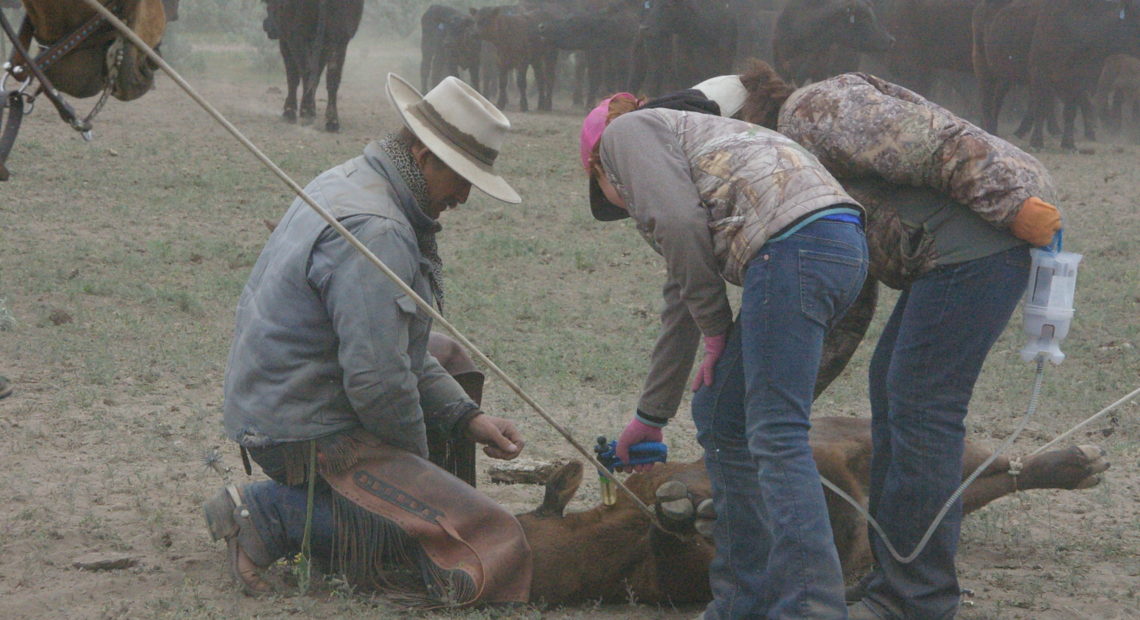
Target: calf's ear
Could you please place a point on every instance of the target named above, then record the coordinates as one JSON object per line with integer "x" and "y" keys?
{"x": 560, "y": 489}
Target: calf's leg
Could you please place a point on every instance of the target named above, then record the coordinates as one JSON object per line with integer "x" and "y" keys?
{"x": 1075, "y": 467}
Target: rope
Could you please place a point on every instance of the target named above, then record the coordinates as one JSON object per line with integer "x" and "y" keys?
{"x": 961, "y": 489}
{"x": 1090, "y": 420}
{"x": 354, "y": 242}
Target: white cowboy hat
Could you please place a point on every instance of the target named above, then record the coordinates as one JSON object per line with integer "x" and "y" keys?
{"x": 459, "y": 126}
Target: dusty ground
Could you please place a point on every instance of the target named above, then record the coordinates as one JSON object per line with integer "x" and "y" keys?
{"x": 121, "y": 261}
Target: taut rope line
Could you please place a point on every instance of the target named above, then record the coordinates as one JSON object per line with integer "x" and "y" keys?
{"x": 1091, "y": 419}
{"x": 354, "y": 242}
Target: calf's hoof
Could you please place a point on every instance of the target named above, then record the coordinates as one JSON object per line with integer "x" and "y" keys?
{"x": 705, "y": 519}
{"x": 332, "y": 126}
{"x": 1077, "y": 467}
{"x": 674, "y": 504}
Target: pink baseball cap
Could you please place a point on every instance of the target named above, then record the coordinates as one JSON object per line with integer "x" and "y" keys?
{"x": 592, "y": 128}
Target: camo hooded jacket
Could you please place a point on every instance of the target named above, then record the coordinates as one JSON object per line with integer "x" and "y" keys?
{"x": 861, "y": 126}
{"x": 706, "y": 192}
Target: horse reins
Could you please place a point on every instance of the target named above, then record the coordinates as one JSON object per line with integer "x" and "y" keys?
{"x": 24, "y": 69}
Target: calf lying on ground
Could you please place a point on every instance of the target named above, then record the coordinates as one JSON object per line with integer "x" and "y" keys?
{"x": 613, "y": 553}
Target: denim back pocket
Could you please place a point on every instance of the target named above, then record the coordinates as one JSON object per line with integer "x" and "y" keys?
{"x": 829, "y": 283}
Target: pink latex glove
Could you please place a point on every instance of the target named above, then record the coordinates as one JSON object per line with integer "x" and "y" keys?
{"x": 635, "y": 432}
{"x": 714, "y": 346}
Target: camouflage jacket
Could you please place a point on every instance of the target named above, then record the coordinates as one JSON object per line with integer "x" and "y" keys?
{"x": 706, "y": 192}
{"x": 861, "y": 126}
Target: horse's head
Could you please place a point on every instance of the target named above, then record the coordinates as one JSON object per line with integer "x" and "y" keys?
{"x": 84, "y": 71}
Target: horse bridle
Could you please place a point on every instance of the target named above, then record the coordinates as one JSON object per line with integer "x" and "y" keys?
{"x": 24, "y": 69}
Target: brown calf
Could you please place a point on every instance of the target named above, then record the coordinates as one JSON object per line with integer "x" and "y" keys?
{"x": 612, "y": 553}
{"x": 513, "y": 31}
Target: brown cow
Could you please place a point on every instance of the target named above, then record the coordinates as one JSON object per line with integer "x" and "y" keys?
{"x": 312, "y": 34}
{"x": 1119, "y": 84}
{"x": 513, "y": 31}
{"x": 613, "y": 553}
{"x": 818, "y": 39}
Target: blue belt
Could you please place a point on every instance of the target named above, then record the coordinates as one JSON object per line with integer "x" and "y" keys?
{"x": 842, "y": 217}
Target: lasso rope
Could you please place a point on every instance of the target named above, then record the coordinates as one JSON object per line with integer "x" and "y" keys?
{"x": 354, "y": 242}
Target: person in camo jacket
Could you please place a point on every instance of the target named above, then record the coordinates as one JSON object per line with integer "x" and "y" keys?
{"x": 951, "y": 214}
{"x": 723, "y": 200}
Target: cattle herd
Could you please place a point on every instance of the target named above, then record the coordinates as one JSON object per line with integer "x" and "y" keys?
{"x": 1069, "y": 52}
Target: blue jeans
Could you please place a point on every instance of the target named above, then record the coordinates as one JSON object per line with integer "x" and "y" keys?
{"x": 278, "y": 510}
{"x": 775, "y": 556}
{"x": 921, "y": 378}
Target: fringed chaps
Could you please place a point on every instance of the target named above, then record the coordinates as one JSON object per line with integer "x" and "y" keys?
{"x": 416, "y": 533}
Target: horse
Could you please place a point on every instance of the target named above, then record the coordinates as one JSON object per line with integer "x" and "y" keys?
{"x": 103, "y": 59}
{"x": 82, "y": 54}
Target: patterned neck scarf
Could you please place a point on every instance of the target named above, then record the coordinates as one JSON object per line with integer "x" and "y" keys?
{"x": 400, "y": 152}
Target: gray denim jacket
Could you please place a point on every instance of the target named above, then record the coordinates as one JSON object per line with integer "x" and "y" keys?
{"x": 325, "y": 342}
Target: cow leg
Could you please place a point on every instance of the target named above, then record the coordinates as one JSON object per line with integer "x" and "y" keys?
{"x": 1027, "y": 119}
{"x": 551, "y": 79}
{"x": 310, "y": 79}
{"x": 992, "y": 94}
{"x": 314, "y": 64}
{"x": 1088, "y": 117}
{"x": 332, "y": 84}
{"x": 1042, "y": 108}
{"x": 1076, "y": 467}
{"x": 292, "y": 79}
{"x": 1069, "y": 111}
{"x": 595, "y": 64}
{"x": 474, "y": 72}
{"x": 581, "y": 77}
{"x": 504, "y": 70}
{"x": 428, "y": 53}
{"x": 520, "y": 81}
{"x": 638, "y": 66}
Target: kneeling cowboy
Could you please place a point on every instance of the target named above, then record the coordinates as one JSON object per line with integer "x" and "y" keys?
{"x": 330, "y": 374}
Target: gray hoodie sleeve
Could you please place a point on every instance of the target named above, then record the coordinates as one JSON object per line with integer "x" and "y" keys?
{"x": 641, "y": 154}
{"x": 643, "y": 158}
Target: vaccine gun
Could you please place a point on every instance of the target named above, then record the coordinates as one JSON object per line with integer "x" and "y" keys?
{"x": 639, "y": 454}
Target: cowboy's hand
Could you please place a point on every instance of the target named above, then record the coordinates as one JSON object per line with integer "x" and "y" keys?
{"x": 635, "y": 432}
{"x": 714, "y": 346}
{"x": 499, "y": 437}
{"x": 1036, "y": 222}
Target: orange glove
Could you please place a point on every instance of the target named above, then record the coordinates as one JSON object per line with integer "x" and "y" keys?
{"x": 1036, "y": 222}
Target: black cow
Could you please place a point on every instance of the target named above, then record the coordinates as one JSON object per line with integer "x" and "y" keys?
{"x": 931, "y": 36}
{"x": 447, "y": 43}
{"x": 605, "y": 38}
{"x": 816, "y": 39}
{"x": 1002, "y": 35}
{"x": 682, "y": 42}
{"x": 312, "y": 34}
{"x": 1071, "y": 41}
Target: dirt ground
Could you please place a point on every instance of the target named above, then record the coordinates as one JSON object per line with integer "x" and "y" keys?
{"x": 121, "y": 261}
